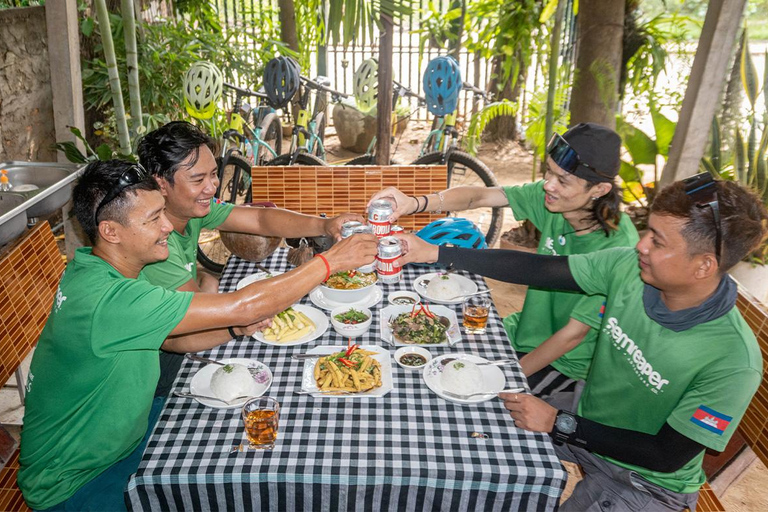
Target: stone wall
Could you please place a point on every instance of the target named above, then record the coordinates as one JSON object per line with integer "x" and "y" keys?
{"x": 26, "y": 101}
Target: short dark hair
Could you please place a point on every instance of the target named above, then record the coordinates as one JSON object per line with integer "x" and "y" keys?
{"x": 742, "y": 216}
{"x": 97, "y": 180}
{"x": 162, "y": 151}
{"x": 606, "y": 209}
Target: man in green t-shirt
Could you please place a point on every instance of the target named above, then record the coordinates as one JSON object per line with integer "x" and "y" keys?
{"x": 675, "y": 365}
{"x": 179, "y": 156}
{"x": 577, "y": 212}
{"x": 89, "y": 404}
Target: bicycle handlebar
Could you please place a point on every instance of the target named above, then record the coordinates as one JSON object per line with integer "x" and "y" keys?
{"x": 475, "y": 90}
{"x": 402, "y": 90}
{"x": 244, "y": 92}
{"x": 319, "y": 87}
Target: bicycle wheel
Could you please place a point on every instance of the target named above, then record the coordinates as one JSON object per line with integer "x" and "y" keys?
{"x": 367, "y": 160}
{"x": 272, "y": 134}
{"x": 234, "y": 187}
{"x": 301, "y": 159}
{"x": 466, "y": 170}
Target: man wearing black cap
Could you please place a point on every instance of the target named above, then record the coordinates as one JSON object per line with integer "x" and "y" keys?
{"x": 577, "y": 209}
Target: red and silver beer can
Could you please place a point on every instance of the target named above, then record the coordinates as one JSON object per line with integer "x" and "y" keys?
{"x": 387, "y": 264}
{"x": 378, "y": 217}
{"x": 348, "y": 228}
{"x": 362, "y": 228}
{"x": 396, "y": 230}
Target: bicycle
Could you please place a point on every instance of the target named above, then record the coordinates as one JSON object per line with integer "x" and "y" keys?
{"x": 241, "y": 148}
{"x": 308, "y": 132}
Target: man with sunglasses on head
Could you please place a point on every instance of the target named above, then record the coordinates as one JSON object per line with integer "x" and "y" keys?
{"x": 577, "y": 209}
{"x": 89, "y": 403}
{"x": 675, "y": 365}
{"x": 179, "y": 156}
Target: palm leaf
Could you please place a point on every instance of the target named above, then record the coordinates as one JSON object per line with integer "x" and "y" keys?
{"x": 664, "y": 128}
{"x": 714, "y": 149}
{"x": 481, "y": 119}
{"x": 748, "y": 72}
{"x": 739, "y": 158}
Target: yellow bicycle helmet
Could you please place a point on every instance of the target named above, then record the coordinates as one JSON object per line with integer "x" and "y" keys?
{"x": 203, "y": 86}
{"x": 366, "y": 85}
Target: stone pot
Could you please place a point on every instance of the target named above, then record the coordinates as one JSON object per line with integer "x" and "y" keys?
{"x": 355, "y": 129}
{"x": 254, "y": 248}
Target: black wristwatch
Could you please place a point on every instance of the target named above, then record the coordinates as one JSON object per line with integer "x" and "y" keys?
{"x": 565, "y": 425}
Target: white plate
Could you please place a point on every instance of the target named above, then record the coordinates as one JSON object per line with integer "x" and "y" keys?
{"x": 317, "y": 316}
{"x": 453, "y": 332}
{"x": 321, "y": 301}
{"x": 493, "y": 378}
{"x": 308, "y": 377}
{"x": 258, "y": 276}
{"x": 201, "y": 382}
{"x": 467, "y": 286}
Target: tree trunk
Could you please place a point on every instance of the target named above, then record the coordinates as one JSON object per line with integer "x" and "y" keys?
{"x": 504, "y": 127}
{"x": 132, "y": 62}
{"x": 458, "y": 28}
{"x": 554, "y": 60}
{"x": 288, "y": 24}
{"x": 595, "y": 86}
{"x": 384, "y": 104}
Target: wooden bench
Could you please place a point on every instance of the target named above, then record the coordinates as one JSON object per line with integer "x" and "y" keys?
{"x": 754, "y": 426}
{"x": 30, "y": 271}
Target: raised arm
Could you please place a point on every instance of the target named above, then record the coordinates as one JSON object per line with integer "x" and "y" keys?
{"x": 284, "y": 223}
{"x": 452, "y": 199}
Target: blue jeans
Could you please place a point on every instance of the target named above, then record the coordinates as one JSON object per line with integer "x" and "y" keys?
{"x": 105, "y": 492}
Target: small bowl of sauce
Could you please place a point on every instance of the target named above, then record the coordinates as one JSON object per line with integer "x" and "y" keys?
{"x": 403, "y": 298}
{"x": 412, "y": 358}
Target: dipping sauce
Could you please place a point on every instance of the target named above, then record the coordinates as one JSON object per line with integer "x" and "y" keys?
{"x": 413, "y": 360}
{"x": 403, "y": 301}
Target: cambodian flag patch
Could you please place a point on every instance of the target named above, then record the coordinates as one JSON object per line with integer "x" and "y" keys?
{"x": 711, "y": 420}
{"x": 602, "y": 310}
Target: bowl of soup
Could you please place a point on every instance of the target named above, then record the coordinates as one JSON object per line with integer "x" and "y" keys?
{"x": 348, "y": 287}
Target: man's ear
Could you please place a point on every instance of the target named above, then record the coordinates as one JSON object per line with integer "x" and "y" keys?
{"x": 707, "y": 266}
{"x": 109, "y": 231}
{"x": 164, "y": 185}
{"x": 600, "y": 190}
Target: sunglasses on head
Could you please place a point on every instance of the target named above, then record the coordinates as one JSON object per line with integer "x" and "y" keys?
{"x": 702, "y": 189}
{"x": 568, "y": 160}
{"x": 133, "y": 176}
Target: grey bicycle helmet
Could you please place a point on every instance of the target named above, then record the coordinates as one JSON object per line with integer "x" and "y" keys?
{"x": 281, "y": 80}
{"x": 203, "y": 86}
{"x": 366, "y": 85}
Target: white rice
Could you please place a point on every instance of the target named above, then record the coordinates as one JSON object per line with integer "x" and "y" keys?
{"x": 233, "y": 380}
{"x": 443, "y": 288}
{"x": 462, "y": 378}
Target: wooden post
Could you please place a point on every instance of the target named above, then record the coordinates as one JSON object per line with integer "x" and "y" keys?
{"x": 67, "y": 87}
{"x": 702, "y": 96}
{"x": 384, "y": 104}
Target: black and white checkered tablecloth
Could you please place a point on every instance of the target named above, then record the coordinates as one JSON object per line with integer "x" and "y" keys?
{"x": 410, "y": 450}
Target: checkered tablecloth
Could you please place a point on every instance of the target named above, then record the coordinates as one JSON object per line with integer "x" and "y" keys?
{"x": 410, "y": 450}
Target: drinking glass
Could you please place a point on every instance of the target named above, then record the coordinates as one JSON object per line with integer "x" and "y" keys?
{"x": 475, "y": 310}
{"x": 260, "y": 416}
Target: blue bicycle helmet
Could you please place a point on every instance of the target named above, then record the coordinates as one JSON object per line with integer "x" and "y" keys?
{"x": 442, "y": 84}
{"x": 281, "y": 81}
{"x": 455, "y": 231}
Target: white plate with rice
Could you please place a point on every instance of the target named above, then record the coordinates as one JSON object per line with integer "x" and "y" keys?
{"x": 439, "y": 287}
{"x": 258, "y": 276}
{"x": 201, "y": 383}
{"x": 459, "y": 377}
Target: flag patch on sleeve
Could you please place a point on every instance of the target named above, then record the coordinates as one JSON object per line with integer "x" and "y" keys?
{"x": 711, "y": 420}
{"x": 601, "y": 314}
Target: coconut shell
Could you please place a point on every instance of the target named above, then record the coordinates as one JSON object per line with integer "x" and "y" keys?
{"x": 250, "y": 247}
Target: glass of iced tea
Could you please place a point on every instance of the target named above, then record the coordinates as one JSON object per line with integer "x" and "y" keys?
{"x": 260, "y": 416}
{"x": 475, "y": 310}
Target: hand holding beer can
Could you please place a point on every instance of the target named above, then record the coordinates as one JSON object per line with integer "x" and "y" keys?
{"x": 387, "y": 264}
{"x": 378, "y": 217}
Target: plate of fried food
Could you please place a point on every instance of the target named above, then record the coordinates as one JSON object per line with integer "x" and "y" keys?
{"x": 296, "y": 325}
{"x": 348, "y": 372}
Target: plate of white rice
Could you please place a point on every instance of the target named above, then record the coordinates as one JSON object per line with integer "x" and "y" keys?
{"x": 463, "y": 376}
{"x": 241, "y": 376}
{"x": 440, "y": 288}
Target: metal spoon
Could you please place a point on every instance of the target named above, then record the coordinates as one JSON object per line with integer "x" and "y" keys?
{"x": 201, "y": 359}
{"x": 499, "y": 362}
{"x": 204, "y": 397}
{"x": 462, "y": 297}
{"x": 470, "y": 395}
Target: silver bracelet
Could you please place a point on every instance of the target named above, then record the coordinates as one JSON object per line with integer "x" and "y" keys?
{"x": 440, "y": 206}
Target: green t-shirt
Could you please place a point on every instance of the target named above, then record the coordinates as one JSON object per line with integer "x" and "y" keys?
{"x": 545, "y": 312}
{"x": 181, "y": 265}
{"x": 90, "y": 385}
{"x": 699, "y": 380}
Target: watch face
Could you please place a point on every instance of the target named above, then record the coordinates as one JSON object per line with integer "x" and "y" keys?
{"x": 565, "y": 423}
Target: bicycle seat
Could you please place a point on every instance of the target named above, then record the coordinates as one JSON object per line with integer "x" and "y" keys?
{"x": 322, "y": 80}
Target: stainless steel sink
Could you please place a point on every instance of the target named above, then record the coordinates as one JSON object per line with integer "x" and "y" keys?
{"x": 42, "y": 187}
{"x": 16, "y": 223}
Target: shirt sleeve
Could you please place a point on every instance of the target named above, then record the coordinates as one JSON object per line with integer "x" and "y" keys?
{"x": 527, "y": 202}
{"x": 594, "y": 272}
{"x": 135, "y": 315}
{"x": 218, "y": 214}
{"x": 589, "y": 310}
{"x": 172, "y": 272}
{"x": 711, "y": 410}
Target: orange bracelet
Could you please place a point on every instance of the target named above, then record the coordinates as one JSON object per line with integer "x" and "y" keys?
{"x": 327, "y": 266}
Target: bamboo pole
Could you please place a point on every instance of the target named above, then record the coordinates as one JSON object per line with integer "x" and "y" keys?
{"x": 132, "y": 60}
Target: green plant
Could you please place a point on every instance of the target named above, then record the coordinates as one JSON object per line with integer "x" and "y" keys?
{"x": 535, "y": 131}
{"x": 8, "y": 4}
{"x": 102, "y": 152}
{"x": 480, "y": 120}
{"x": 436, "y": 27}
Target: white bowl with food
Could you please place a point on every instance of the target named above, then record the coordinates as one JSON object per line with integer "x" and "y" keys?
{"x": 412, "y": 358}
{"x": 348, "y": 287}
{"x": 350, "y": 321}
{"x": 403, "y": 298}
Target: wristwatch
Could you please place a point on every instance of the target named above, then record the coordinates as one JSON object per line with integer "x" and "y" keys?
{"x": 565, "y": 425}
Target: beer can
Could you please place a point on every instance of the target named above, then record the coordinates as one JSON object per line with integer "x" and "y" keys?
{"x": 387, "y": 264}
{"x": 348, "y": 228}
{"x": 396, "y": 230}
{"x": 368, "y": 230}
{"x": 378, "y": 217}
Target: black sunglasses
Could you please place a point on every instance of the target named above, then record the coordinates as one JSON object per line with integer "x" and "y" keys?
{"x": 133, "y": 176}
{"x": 702, "y": 189}
{"x": 567, "y": 159}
